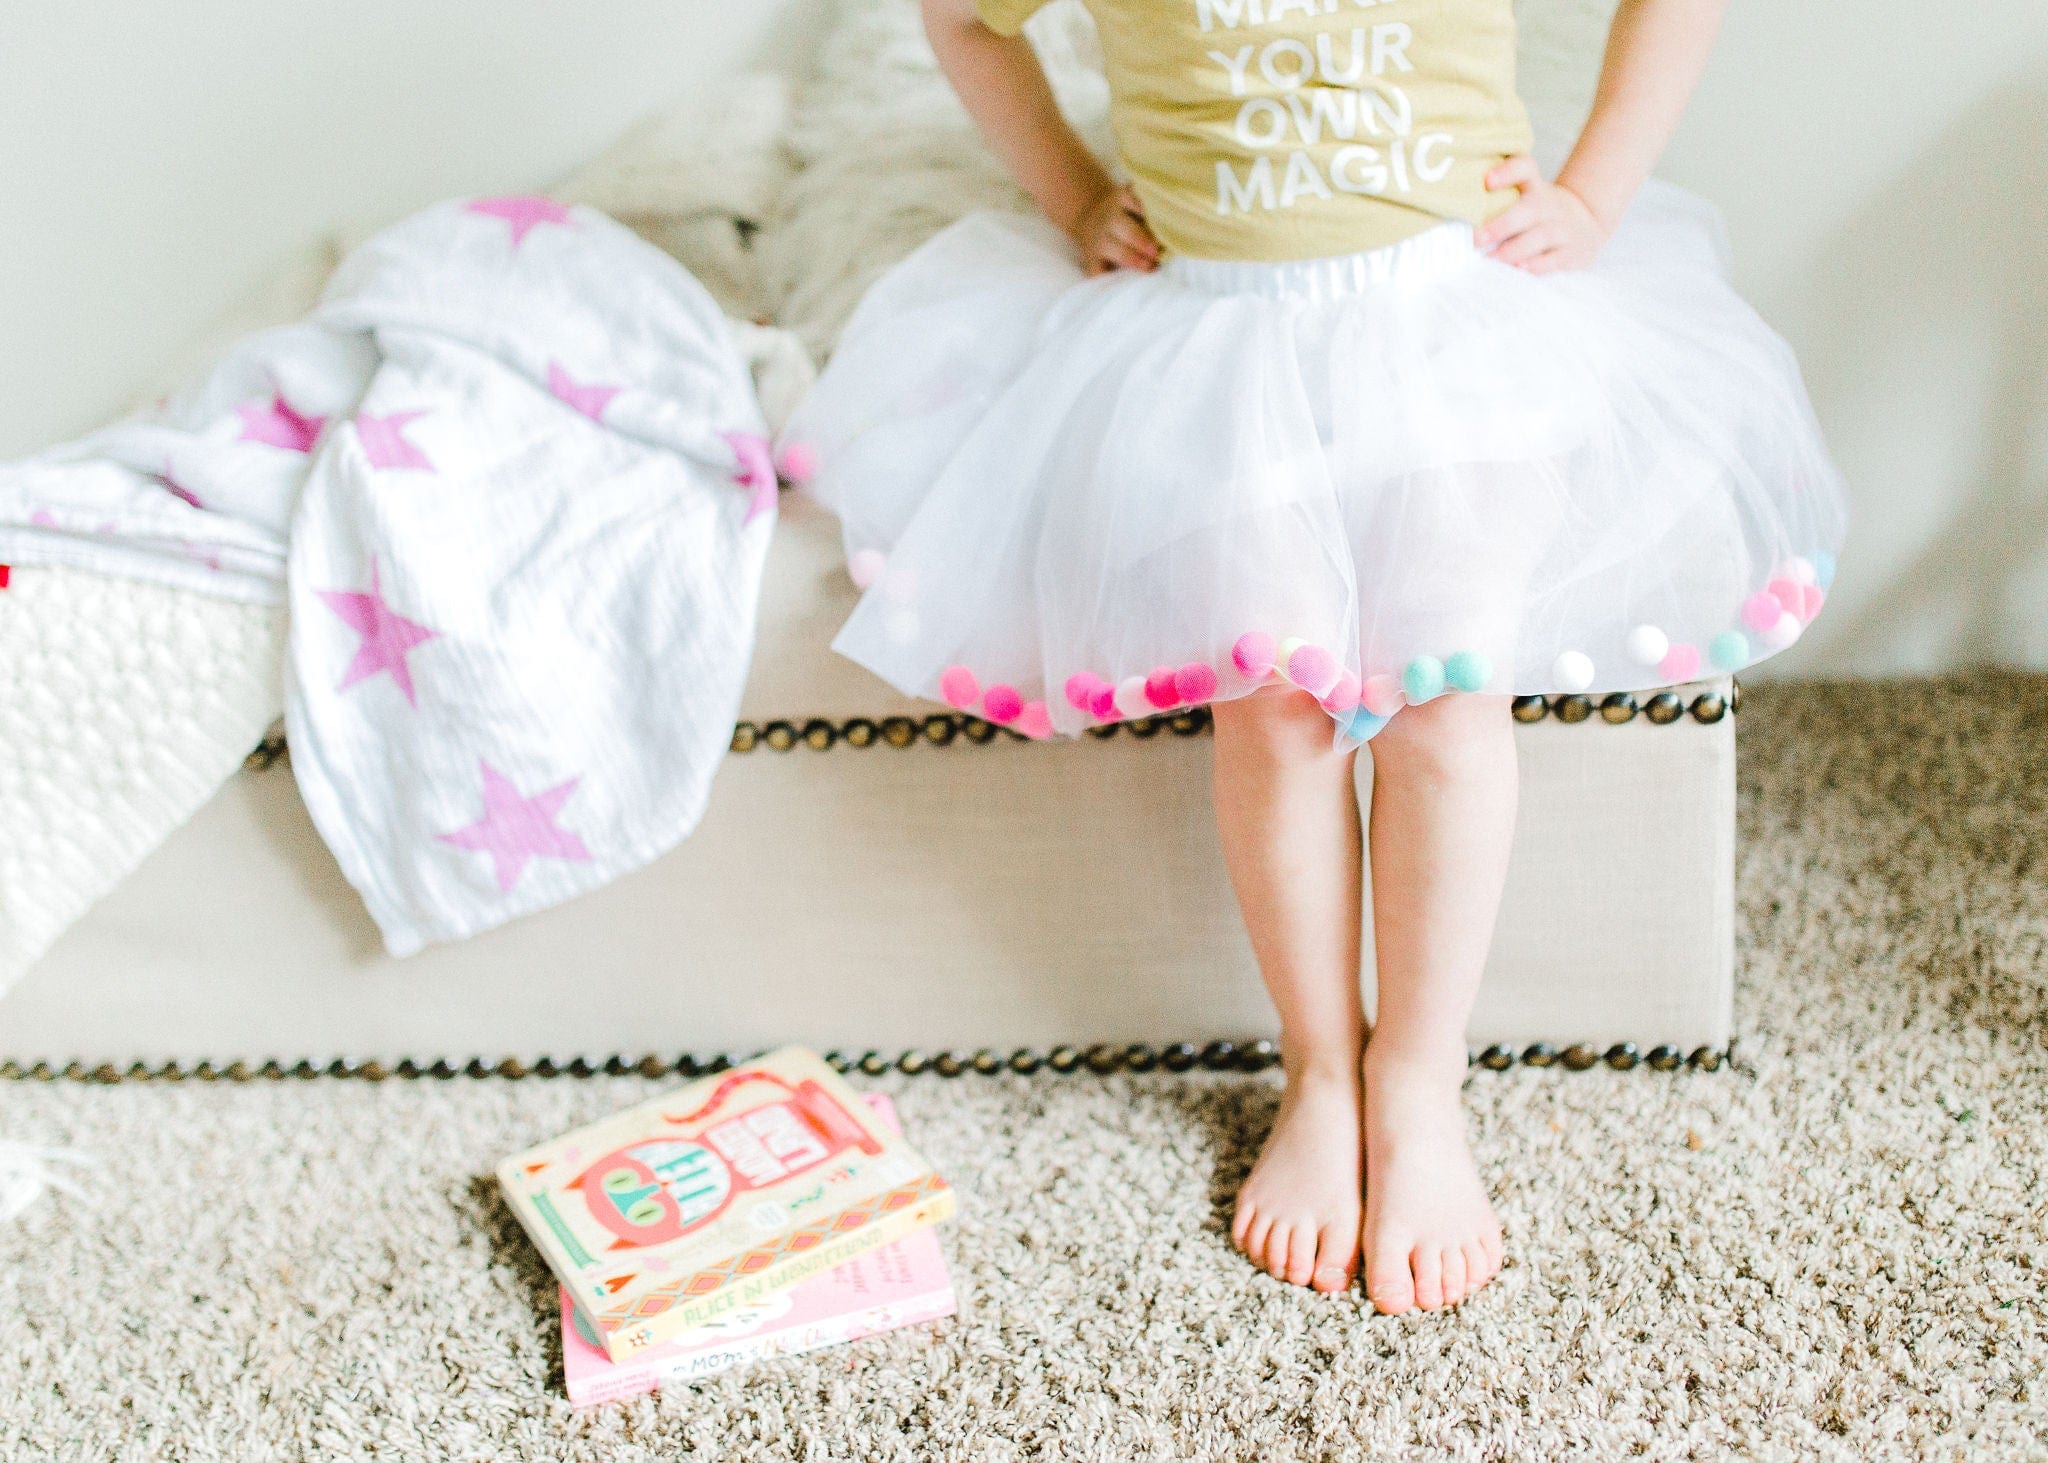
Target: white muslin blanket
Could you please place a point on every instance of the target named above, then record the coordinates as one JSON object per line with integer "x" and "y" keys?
{"x": 511, "y": 478}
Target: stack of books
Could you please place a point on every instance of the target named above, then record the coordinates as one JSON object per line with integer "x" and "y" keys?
{"x": 764, "y": 1211}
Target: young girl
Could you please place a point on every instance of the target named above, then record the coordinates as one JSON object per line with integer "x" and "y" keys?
{"x": 1344, "y": 420}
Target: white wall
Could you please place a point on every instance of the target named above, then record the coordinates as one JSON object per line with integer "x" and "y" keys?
{"x": 1883, "y": 164}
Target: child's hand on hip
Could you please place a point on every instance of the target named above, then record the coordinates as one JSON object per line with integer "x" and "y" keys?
{"x": 1112, "y": 234}
{"x": 1549, "y": 228}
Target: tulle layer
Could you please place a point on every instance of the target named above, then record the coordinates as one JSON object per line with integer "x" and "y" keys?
{"x": 1381, "y": 477}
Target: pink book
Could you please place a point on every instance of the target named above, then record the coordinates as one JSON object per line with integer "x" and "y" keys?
{"x": 898, "y": 1284}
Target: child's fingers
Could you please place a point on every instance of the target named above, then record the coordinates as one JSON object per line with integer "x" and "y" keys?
{"x": 1134, "y": 236}
{"x": 1510, "y": 221}
{"x": 1119, "y": 255}
{"x": 1526, "y": 246}
{"x": 1128, "y": 202}
{"x": 1516, "y": 172}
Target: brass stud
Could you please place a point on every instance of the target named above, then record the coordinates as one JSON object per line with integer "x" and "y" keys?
{"x": 374, "y": 1071}
{"x": 304, "y": 1070}
{"x": 546, "y": 1067}
{"x": 1735, "y": 696}
{"x": 1578, "y": 1057}
{"x": 1103, "y": 732}
{"x": 837, "y": 1061}
{"x": 1621, "y": 1056}
{"x": 1024, "y": 1061}
{"x": 44, "y": 1072}
{"x": 1664, "y": 708}
{"x": 899, "y": 731}
{"x": 1261, "y": 1054}
{"x": 874, "y": 1063}
{"x": 819, "y": 734}
{"x": 1103, "y": 1059}
{"x": 236, "y": 1071}
{"x": 271, "y": 1071}
{"x": 1709, "y": 707}
{"x": 580, "y": 1067}
{"x": 859, "y": 732}
{"x": 441, "y": 1070}
{"x": 745, "y": 737}
{"x": 1539, "y": 1054}
{"x": 475, "y": 1067}
{"x": 615, "y": 1065}
{"x": 685, "y": 1066}
{"x": 1139, "y": 1057}
{"x": 1527, "y": 709}
{"x": 1220, "y": 1056}
{"x": 1190, "y": 723}
{"x": 341, "y": 1067}
{"x": 986, "y": 1062}
{"x": 1144, "y": 727}
{"x": 204, "y": 1072}
{"x": 940, "y": 730}
{"x": 1704, "y": 1059}
{"x": 74, "y": 1071}
{"x": 1573, "y": 709}
{"x": 651, "y": 1066}
{"x": 407, "y": 1068}
{"x": 1618, "y": 708}
{"x": 10, "y": 1070}
{"x": 912, "y": 1062}
{"x": 779, "y": 735}
{"x": 1496, "y": 1058}
{"x": 139, "y": 1072}
{"x": 1063, "y": 1058}
{"x": 512, "y": 1067}
{"x": 948, "y": 1064}
{"x": 977, "y": 731}
{"x": 1180, "y": 1056}
{"x": 722, "y": 1062}
{"x": 1664, "y": 1058}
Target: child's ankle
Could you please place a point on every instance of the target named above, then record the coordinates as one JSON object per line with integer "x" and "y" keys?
{"x": 1412, "y": 1056}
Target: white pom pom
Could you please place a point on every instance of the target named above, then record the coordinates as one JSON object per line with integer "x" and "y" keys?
{"x": 1784, "y": 632}
{"x": 1800, "y": 570}
{"x": 1572, "y": 671}
{"x": 865, "y": 566}
{"x": 1647, "y": 645}
{"x": 1131, "y": 699}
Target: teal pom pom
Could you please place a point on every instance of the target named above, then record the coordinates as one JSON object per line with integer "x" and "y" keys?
{"x": 1363, "y": 724}
{"x": 1468, "y": 670}
{"x": 1823, "y": 567}
{"x": 1729, "y": 650}
{"x": 1423, "y": 678}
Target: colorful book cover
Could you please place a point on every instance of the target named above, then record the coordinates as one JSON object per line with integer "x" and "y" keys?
{"x": 900, "y": 1284}
{"x": 714, "y": 1196}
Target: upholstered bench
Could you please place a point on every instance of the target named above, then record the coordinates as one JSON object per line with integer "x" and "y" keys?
{"x": 876, "y": 874}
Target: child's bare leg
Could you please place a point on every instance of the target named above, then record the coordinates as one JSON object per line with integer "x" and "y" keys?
{"x": 1288, "y": 815}
{"x": 1443, "y": 816}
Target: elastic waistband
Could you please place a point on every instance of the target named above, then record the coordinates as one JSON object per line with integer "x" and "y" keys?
{"x": 1433, "y": 252}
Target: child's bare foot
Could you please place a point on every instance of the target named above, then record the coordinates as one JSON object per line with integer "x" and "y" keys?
{"x": 1430, "y": 1238}
{"x": 1297, "y": 1215}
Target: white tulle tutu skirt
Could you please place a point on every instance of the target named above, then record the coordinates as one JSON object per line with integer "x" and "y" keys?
{"x": 1381, "y": 477}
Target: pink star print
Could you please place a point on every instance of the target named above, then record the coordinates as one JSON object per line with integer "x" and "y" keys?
{"x": 177, "y": 489}
{"x": 524, "y": 214}
{"x": 515, "y": 829}
{"x": 756, "y": 470}
{"x": 387, "y": 635}
{"x": 275, "y": 424}
{"x": 384, "y": 441}
{"x": 589, "y": 399}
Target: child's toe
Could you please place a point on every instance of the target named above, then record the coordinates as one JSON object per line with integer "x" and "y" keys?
{"x": 1456, "y": 1283}
{"x": 1336, "y": 1254}
{"x": 1275, "y": 1256}
{"x": 1428, "y": 1264}
{"x": 1478, "y": 1268}
{"x": 1389, "y": 1282}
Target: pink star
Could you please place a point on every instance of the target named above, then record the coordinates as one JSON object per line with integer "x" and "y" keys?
{"x": 524, "y": 214}
{"x": 387, "y": 635}
{"x": 384, "y": 441}
{"x": 756, "y": 470}
{"x": 275, "y": 424}
{"x": 586, "y": 398}
{"x": 177, "y": 489}
{"x": 516, "y": 829}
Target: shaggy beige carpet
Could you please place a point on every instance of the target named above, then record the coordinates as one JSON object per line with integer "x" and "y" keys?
{"x": 1833, "y": 1249}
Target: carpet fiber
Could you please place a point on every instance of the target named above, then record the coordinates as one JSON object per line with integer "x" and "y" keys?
{"x": 1833, "y": 1248}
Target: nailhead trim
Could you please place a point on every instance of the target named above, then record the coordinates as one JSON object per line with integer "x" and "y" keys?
{"x": 1103, "y": 1058}
{"x": 942, "y": 728}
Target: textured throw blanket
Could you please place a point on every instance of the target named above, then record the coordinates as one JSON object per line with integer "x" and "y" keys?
{"x": 510, "y": 479}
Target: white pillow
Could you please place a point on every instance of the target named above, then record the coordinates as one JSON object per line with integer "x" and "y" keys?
{"x": 886, "y": 156}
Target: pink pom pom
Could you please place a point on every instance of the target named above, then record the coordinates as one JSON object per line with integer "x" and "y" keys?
{"x": 1002, "y": 705}
{"x": 959, "y": 687}
{"x": 1160, "y": 689}
{"x": 1313, "y": 669}
{"x": 1383, "y": 695}
{"x": 865, "y": 566}
{"x": 1786, "y": 592}
{"x": 1253, "y": 654}
{"x": 1034, "y": 721}
{"x": 1344, "y": 695}
{"x": 1195, "y": 682}
{"x": 1081, "y": 689}
{"x": 1681, "y": 663}
{"x": 1811, "y": 598}
{"x": 1102, "y": 705}
{"x": 796, "y": 462}
{"x": 1761, "y": 610}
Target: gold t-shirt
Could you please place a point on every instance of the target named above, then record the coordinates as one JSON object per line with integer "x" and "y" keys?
{"x": 1299, "y": 129}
